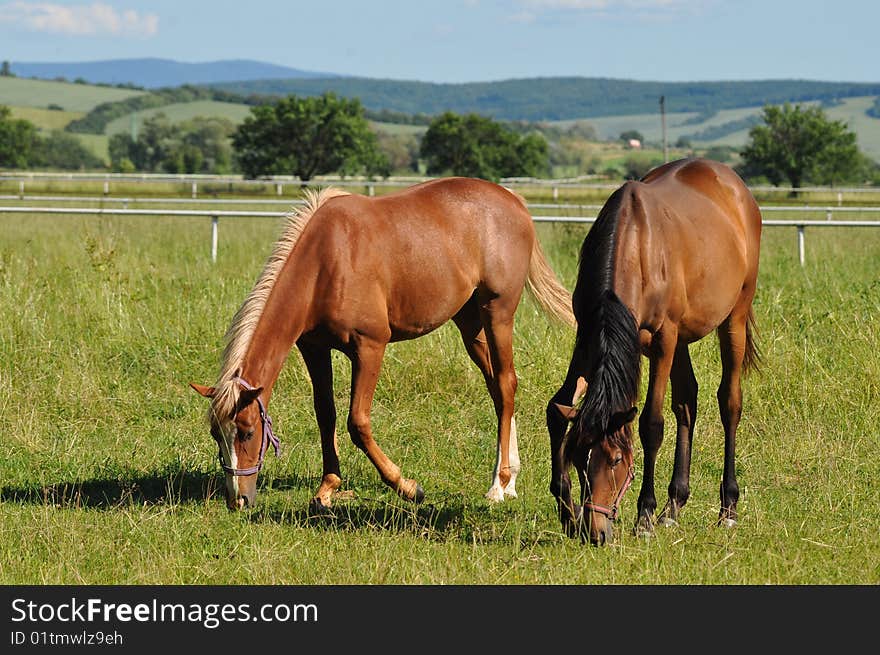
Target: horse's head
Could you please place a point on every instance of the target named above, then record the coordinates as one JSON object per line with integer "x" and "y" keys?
{"x": 243, "y": 431}
{"x": 603, "y": 457}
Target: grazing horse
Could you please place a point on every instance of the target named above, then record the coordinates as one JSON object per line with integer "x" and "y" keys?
{"x": 354, "y": 273}
{"x": 670, "y": 258}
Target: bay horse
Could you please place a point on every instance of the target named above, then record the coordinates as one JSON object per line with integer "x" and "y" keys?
{"x": 354, "y": 273}
{"x": 670, "y": 258}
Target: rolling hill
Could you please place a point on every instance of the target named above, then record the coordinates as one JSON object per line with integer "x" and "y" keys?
{"x": 707, "y": 114}
{"x": 154, "y": 73}
{"x": 562, "y": 98}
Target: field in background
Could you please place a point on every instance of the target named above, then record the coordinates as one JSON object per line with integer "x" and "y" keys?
{"x": 26, "y": 96}
{"x": 19, "y": 92}
{"x": 108, "y": 474}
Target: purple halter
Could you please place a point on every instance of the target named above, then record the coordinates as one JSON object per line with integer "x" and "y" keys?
{"x": 268, "y": 436}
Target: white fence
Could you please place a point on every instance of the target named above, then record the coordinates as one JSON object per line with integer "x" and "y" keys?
{"x": 216, "y": 214}
{"x": 279, "y": 181}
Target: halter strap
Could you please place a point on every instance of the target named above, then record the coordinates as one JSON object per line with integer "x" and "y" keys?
{"x": 611, "y": 512}
{"x": 268, "y": 437}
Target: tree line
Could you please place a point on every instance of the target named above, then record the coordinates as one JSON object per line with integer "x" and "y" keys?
{"x": 316, "y": 135}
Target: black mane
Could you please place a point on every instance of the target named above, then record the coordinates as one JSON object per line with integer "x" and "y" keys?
{"x": 607, "y": 333}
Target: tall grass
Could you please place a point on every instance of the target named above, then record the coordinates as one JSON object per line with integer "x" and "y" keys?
{"x": 108, "y": 474}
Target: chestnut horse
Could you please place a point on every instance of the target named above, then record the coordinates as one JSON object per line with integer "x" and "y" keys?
{"x": 669, "y": 259}
{"x": 354, "y": 273}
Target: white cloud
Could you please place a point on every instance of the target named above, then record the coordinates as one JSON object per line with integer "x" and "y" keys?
{"x": 78, "y": 20}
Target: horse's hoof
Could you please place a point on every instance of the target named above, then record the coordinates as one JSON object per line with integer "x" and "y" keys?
{"x": 667, "y": 522}
{"x": 727, "y": 523}
{"x": 510, "y": 491}
{"x": 643, "y": 528}
{"x": 418, "y": 494}
{"x": 319, "y": 509}
{"x": 495, "y": 494}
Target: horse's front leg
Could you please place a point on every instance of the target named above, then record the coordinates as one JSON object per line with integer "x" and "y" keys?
{"x": 319, "y": 365}
{"x": 366, "y": 361}
{"x": 661, "y": 355}
{"x": 684, "y": 406}
{"x": 560, "y": 411}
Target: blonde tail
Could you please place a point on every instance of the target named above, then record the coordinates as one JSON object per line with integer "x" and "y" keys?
{"x": 546, "y": 288}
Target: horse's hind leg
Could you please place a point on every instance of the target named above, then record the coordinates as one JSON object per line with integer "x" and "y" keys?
{"x": 366, "y": 361}
{"x": 732, "y": 342}
{"x": 319, "y": 365}
{"x": 507, "y": 464}
{"x": 684, "y": 406}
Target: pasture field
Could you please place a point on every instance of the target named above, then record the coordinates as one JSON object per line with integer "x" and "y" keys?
{"x": 108, "y": 474}
{"x": 22, "y": 92}
{"x": 180, "y": 112}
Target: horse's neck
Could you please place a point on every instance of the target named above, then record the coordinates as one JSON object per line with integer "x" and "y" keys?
{"x": 276, "y": 332}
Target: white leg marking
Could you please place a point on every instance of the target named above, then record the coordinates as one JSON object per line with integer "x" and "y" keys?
{"x": 498, "y": 491}
{"x": 510, "y": 489}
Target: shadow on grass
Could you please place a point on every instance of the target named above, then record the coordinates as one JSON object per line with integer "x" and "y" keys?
{"x": 453, "y": 517}
{"x": 170, "y": 485}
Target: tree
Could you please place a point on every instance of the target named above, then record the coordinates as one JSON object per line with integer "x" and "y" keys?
{"x": 801, "y": 144}
{"x": 17, "y": 140}
{"x": 307, "y": 137}
{"x": 63, "y": 151}
{"x": 6, "y": 70}
{"x": 476, "y": 146}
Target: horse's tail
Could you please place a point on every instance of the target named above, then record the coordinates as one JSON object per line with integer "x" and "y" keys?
{"x": 752, "y": 356}
{"x": 546, "y": 288}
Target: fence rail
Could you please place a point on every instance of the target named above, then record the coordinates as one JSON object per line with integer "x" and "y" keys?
{"x": 216, "y": 214}
{"x": 828, "y": 210}
{"x": 280, "y": 181}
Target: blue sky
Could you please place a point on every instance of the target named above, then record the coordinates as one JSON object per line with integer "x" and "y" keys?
{"x": 468, "y": 40}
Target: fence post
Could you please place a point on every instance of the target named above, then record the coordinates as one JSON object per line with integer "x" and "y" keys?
{"x": 106, "y": 187}
{"x": 278, "y": 188}
{"x": 21, "y": 188}
{"x": 828, "y": 214}
{"x": 372, "y": 190}
{"x": 800, "y": 236}
{"x": 214, "y": 221}
{"x": 195, "y": 189}
{"x": 839, "y": 198}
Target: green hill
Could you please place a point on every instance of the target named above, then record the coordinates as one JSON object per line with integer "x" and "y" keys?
{"x": 18, "y": 92}
{"x": 563, "y": 98}
{"x": 710, "y": 113}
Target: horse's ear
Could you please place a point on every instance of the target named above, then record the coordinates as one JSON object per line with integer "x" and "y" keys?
{"x": 247, "y": 396}
{"x": 207, "y": 392}
{"x": 568, "y": 413}
{"x": 619, "y": 419}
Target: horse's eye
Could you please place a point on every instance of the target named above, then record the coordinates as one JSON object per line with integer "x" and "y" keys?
{"x": 617, "y": 460}
{"x": 244, "y": 436}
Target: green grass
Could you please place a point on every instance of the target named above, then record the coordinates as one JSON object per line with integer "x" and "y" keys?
{"x": 21, "y": 92}
{"x": 179, "y": 112}
{"x": 108, "y": 474}
{"x": 46, "y": 119}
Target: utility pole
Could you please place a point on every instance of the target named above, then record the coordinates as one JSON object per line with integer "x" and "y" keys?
{"x": 663, "y": 124}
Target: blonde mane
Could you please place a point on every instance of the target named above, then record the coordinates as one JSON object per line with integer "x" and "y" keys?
{"x": 241, "y": 330}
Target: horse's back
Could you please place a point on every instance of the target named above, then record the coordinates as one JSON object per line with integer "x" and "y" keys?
{"x": 416, "y": 256}
{"x": 693, "y": 235}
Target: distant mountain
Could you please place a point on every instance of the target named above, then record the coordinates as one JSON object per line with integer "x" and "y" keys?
{"x": 154, "y": 73}
{"x": 559, "y": 98}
